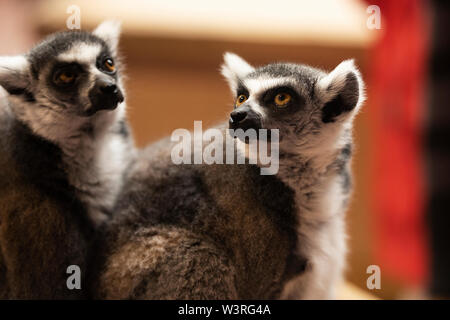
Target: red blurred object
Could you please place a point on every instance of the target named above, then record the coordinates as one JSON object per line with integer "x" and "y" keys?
{"x": 397, "y": 93}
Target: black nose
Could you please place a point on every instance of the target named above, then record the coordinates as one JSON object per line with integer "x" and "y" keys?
{"x": 245, "y": 118}
{"x": 105, "y": 95}
{"x": 238, "y": 116}
{"x": 109, "y": 88}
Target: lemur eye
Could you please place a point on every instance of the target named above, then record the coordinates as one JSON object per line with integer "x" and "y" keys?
{"x": 109, "y": 65}
{"x": 240, "y": 100}
{"x": 282, "y": 99}
{"x": 66, "y": 77}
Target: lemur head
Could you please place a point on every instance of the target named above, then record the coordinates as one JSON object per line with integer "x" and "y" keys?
{"x": 70, "y": 75}
{"x": 311, "y": 108}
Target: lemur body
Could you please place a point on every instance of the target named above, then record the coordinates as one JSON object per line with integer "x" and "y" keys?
{"x": 227, "y": 232}
{"x": 315, "y": 153}
{"x": 65, "y": 148}
{"x": 177, "y": 235}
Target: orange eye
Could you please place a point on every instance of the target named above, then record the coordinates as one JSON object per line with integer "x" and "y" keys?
{"x": 282, "y": 99}
{"x": 66, "y": 77}
{"x": 109, "y": 65}
{"x": 241, "y": 99}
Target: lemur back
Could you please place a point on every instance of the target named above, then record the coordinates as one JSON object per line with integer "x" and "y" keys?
{"x": 181, "y": 237}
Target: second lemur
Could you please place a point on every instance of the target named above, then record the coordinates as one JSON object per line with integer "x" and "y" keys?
{"x": 228, "y": 232}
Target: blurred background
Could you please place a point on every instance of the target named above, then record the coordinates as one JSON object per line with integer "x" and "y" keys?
{"x": 399, "y": 217}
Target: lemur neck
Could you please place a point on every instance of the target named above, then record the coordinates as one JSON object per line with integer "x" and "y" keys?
{"x": 95, "y": 151}
{"x": 311, "y": 169}
{"x": 320, "y": 155}
{"x": 96, "y": 159}
{"x": 86, "y": 136}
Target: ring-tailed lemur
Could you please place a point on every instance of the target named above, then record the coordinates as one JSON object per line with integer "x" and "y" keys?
{"x": 225, "y": 231}
{"x": 64, "y": 150}
{"x": 314, "y": 112}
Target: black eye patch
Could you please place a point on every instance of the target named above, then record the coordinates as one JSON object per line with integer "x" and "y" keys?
{"x": 241, "y": 90}
{"x": 65, "y": 75}
{"x": 27, "y": 95}
{"x": 267, "y": 98}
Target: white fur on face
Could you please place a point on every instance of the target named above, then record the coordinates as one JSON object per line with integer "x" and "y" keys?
{"x": 81, "y": 53}
{"x": 257, "y": 108}
{"x": 261, "y": 84}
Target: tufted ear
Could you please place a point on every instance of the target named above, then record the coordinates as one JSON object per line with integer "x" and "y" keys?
{"x": 234, "y": 68}
{"x": 341, "y": 91}
{"x": 14, "y": 74}
{"x": 109, "y": 31}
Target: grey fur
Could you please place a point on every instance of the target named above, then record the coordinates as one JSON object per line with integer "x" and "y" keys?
{"x": 226, "y": 232}
{"x": 60, "y": 168}
{"x": 178, "y": 235}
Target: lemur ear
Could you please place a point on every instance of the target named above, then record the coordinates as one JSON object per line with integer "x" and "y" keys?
{"x": 234, "y": 68}
{"x": 109, "y": 31}
{"x": 14, "y": 75}
{"x": 341, "y": 91}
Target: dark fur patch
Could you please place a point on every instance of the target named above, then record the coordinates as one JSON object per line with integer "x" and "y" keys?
{"x": 66, "y": 93}
{"x": 347, "y": 151}
{"x": 278, "y": 199}
{"x": 40, "y": 161}
{"x": 341, "y": 166}
{"x": 124, "y": 131}
{"x": 27, "y": 95}
{"x": 181, "y": 197}
{"x": 345, "y": 101}
{"x": 44, "y": 226}
{"x": 292, "y": 107}
{"x": 241, "y": 89}
{"x": 346, "y": 181}
{"x": 295, "y": 265}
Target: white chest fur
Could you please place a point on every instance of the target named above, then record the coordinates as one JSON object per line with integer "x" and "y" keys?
{"x": 321, "y": 237}
{"x": 96, "y": 170}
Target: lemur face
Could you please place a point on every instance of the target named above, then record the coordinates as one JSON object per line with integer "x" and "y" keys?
{"x": 80, "y": 77}
{"x": 71, "y": 73}
{"x": 304, "y": 103}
